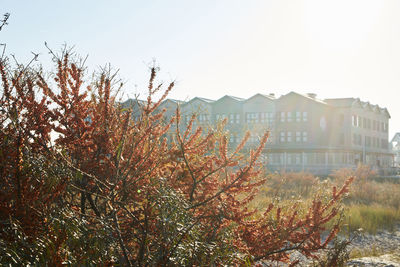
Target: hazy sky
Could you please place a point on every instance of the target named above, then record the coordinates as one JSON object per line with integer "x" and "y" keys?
{"x": 216, "y": 47}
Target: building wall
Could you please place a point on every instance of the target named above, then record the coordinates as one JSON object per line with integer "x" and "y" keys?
{"x": 201, "y": 109}
{"x": 297, "y": 114}
{"x": 232, "y": 110}
{"x": 259, "y": 116}
{"x": 307, "y": 134}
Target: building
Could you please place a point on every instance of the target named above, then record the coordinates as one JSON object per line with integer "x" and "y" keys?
{"x": 306, "y": 133}
{"x": 395, "y": 146}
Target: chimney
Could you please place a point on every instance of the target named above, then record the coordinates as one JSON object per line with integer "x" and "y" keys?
{"x": 272, "y": 95}
{"x": 312, "y": 95}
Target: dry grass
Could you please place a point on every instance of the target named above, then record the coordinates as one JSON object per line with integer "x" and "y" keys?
{"x": 373, "y": 204}
{"x": 372, "y": 218}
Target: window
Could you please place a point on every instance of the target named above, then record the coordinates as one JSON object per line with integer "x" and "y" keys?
{"x": 220, "y": 116}
{"x": 331, "y": 158}
{"x": 282, "y": 116}
{"x": 271, "y": 118}
{"x": 253, "y": 138}
{"x": 355, "y": 120}
{"x": 364, "y": 123}
{"x": 289, "y": 159}
{"x": 298, "y": 137}
{"x": 384, "y": 144}
{"x": 378, "y": 126}
{"x": 359, "y": 121}
{"x": 341, "y": 119}
{"x": 282, "y": 137}
{"x": 341, "y": 141}
{"x": 305, "y": 137}
{"x": 270, "y": 137}
{"x": 305, "y": 116}
{"x": 382, "y": 126}
{"x": 251, "y": 117}
{"x": 369, "y": 123}
{"x": 367, "y": 141}
{"x": 237, "y": 118}
{"x": 266, "y": 117}
{"x": 320, "y": 158}
{"x": 203, "y": 118}
{"x": 263, "y": 117}
{"x": 289, "y": 136}
{"x": 289, "y": 116}
{"x": 298, "y": 116}
{"x": 232, "y": 118}
{"x": 298, "y": 159}
{"x": 355, "y": 139}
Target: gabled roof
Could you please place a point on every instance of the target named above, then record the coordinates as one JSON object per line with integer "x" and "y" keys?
{"x": 202, "y": 99}
{"x": 172, "y": 101}
{"x": 169, "y": 103}
{"x": 375, "y": 108}
{"x": 319, "y": 101}
{"x": 234, "y": 98}
{"x": 357, "y": 102}
{"x": 175, "y": 101}
{"x": 385, "y": 111}
{"x": 367, "y": 106}
{"x": 205, "y": 99}
{"x": 340, "y": 102}
{"x": 352, "y": 102}
{"x": 396, "y": 138}
{"x": 134, "y": 102}
{"x": 262, "y": 95}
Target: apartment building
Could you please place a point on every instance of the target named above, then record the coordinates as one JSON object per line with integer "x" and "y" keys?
{"x": 306, "y": 133}
{"x": 395, "y": 146}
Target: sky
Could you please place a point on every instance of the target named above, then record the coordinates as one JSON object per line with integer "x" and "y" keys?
{"x": 335, "y": 49}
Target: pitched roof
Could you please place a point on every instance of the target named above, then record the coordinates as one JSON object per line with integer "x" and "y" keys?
{"x": 235, "y": 98}
{"x": 206, "y": 100}
{"x": 396, "y": 138}
{"x": 265, "y": 96}
{"x": 305, "y": 96}
{"x": 175, "y": 101}
{"x": 231, "y": 97}
{"x": 351, "y": 101}
{"x": 340, "y": 102}
{"x": 133, "y": 101}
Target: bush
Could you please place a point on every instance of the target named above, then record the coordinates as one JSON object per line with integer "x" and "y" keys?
{"x": 112, "y": 190}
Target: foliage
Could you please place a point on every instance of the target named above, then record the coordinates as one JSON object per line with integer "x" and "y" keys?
{"x": 372, "y": 218}
{"x": 288, "y": 184}
{"x": 84, "y": 183}
{"x": 361, "y": 174}
{"x": 374, "y": 203}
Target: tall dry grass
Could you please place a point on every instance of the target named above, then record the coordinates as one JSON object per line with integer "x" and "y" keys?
{"x": 373, "y": 204}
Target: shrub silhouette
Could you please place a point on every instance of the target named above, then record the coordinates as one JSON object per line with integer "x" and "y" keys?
{"x": 83, "y": 182}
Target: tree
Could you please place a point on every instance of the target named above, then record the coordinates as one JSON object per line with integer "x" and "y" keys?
{"x": 112, "y": 190}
